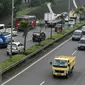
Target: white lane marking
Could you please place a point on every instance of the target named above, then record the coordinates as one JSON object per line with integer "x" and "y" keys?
{"x": 35, "y": 62}
{"x": 42, "y": 83}
{"x": 74, "y": 52}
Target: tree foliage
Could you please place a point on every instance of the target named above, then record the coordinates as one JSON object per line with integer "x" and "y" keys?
{"x": 25, "y": 25}
{"x": 6, "y": 6}
{"x": 39, "y": 2}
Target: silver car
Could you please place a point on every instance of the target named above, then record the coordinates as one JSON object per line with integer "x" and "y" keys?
{"x": 81, "y": 43}
{"x": 17, "y": 47}
{"x": 14, "y": 31}
{"x": 77, "y": 34}
{"x": 83, "y": 30}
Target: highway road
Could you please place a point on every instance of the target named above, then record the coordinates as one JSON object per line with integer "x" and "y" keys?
{"x": 20, "y": 38}
{"x": 40, "y": 72}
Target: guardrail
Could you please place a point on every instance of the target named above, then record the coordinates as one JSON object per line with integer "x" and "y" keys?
{"x": 37, "y": 51}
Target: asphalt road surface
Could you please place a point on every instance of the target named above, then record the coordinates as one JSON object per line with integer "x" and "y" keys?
{"x": 20, "y": 38}
{"x": 40, "y": 72}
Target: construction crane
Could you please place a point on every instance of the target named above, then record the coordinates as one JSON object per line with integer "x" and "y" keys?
{"x": 74, "y": 2}
{"x": 51, "y": 18}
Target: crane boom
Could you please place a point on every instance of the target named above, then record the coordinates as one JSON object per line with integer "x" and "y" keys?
{"x": 74, "y": 2}
{"x": 49, "y": 7}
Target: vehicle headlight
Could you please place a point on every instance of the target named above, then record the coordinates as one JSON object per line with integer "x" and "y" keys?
{"x": 53, "y": 70}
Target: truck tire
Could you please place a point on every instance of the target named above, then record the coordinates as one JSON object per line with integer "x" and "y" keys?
{"x": 67, "y": 76}
{"x": 78, "y": 48}
{"x": 54, "y": 76}
{"x": 72, "y": 69}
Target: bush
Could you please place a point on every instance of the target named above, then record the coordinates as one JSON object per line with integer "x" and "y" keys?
{"x": 43, "y": 43}
{"x": 7, "y": 63}
{"x": 32, "y": 49}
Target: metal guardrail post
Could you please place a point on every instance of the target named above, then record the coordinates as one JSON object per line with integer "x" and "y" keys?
{"x": 0, "y": 77}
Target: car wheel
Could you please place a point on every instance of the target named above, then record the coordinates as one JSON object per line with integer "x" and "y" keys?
{"x": 7, "y": 53}
{"x": 33, "y": 39}
{"x": 78, "y": 48}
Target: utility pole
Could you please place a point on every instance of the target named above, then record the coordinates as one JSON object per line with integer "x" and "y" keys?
{"x": 12, "y": 26}
{"x": 51, "y": 27}
{"x": 68, "y": 10}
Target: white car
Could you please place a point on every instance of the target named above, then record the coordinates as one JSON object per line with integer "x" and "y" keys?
{"x": 81, "y": 43}
{"x": 83, "y": 30}
{"x": 77, "y": 34}
{"x": 17, "y": 47}
{"x": 71, "y": 21}
{"x": 14, "y": 31}
{"x": 2, "y": 27}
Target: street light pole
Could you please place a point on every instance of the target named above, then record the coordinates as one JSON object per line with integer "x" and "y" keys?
{"x": 68, "y": 10}
{"x": 12, "y": 26}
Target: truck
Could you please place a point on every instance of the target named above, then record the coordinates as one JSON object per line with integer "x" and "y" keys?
{"x": 29, "y": 18}
{"x": 50, "y": 18}
{"x": 63, "y": 65}
{"x": 5, "y": 39}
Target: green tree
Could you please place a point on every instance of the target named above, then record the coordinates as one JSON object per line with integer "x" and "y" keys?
{"x": 26, "y": 27}
{"x": 80, "y": 11}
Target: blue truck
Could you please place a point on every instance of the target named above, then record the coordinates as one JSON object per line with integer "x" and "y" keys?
{"x": 5, "y": 39}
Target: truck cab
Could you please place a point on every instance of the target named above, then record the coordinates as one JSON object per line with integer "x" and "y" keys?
{"x": 62, "y": 65}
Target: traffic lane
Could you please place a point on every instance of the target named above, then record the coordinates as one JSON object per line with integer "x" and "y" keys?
{"x": 42, "y": 71}
{"x": 29, "y": 41}
{"x": 20, "y": 38}
{"x": 78, "y": 76}
{"x": 3, "y": 55}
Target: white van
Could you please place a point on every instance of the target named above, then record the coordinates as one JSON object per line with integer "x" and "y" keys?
{"x": 77, "y": 34}
{"x": 83, "y": 30}
{"x": 2, "y": 28}
{"x": 71, "y": 22}
{"x": 81, "y": 43}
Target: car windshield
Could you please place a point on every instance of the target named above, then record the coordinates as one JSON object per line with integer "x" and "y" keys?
{"x": 13, "y": 45}
{"x": 36, "y": 34}
{"x": 60, "y": 63}
{"x": 23, "y": 18}
{"x": 82, "y": 41}
{"x": 76, "y": 33}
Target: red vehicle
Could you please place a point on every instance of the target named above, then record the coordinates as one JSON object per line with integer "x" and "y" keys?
{"x": 30, "y": 18}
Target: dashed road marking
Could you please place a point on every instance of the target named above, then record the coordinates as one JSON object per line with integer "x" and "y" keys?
{"x": 42, "y": 83}
{"x": 74, "y": 52}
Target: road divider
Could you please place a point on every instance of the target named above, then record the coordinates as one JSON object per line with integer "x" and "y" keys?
{"x": 19, "y": 58}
